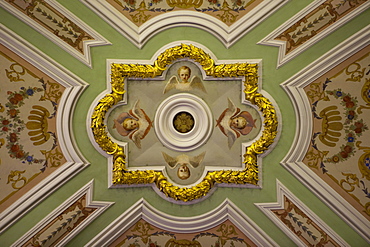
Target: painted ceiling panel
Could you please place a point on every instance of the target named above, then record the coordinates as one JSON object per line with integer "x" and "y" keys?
{"x": 310, "y": 25}
{"x": 193, "y": 166}
{"x": 333, "y": 123}
{"x": 141, "y": 224}
{"x": 298, "y": 222}
{"x": 36, "y": 152}
{"x": 227, "y": 20}
{"x": 59, "y": 25}
{"x": 321, "y": 199}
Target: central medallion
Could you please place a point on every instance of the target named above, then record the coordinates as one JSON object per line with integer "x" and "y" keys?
{"x": 183, "y": 122}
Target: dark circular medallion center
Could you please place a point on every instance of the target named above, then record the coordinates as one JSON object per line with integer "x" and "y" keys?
{"x": 183, "y": 122}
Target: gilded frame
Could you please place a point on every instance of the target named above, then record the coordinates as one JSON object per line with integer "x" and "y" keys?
{"x": 119, "y": 72}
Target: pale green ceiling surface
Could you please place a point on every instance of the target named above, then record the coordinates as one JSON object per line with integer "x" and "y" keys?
{"x": 245, "y": 48}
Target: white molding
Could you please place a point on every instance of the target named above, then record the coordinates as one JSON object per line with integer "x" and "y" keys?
{"x": 228, "y": 35}
{"x": 75, "y": 160}
{"x": 166, "y": 132}
{"x": 86, "y": 57}
{"x": 284, "y": 58}
{"x": 282, "y": 191}
{"x": 143, "y": 210}
{"x": 86, "y": 190}
{"x": 293, "y": 160}
{"x": 162, "y": 169}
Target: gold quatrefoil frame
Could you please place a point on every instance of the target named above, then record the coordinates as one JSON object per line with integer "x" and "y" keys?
{"x": 119, "y": 73}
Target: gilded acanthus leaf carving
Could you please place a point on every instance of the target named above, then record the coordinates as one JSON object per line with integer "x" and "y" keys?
{"x": 249, "y": 175}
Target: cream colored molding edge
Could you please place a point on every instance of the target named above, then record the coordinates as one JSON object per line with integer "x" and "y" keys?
{"x": 84, "y": 58}
{"x": 140, "y": 35}
{"x": 282, "y": 57}
{"x": 143, "y": 210}
{"x": 293, "y": 160}
{"x": 124, "y": 144}
{"x": 283, "y": 191}
{"x": 75, "y": 160}
{"x": 86, "y": 190}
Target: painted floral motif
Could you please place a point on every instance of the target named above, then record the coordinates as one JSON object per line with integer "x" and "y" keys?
{"x": 303, "y": 226}
{"x": 228, "y": 11}
{"x": 340, "y": 131}
{"x": 68, "y": 220}
{"x": 28, "y": 142}
{"x": 319, "y": 19}
{"x": 145, "y": 234}
{"x": 53, "y": 21}
{"x": 12, "y": 124}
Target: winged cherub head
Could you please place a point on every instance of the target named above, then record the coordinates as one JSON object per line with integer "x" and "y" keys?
{"x": 184, "y": 73}
{"x": 183, "y": 163}
{"x": 130, "y": 124}
{"x": 238, "y": 122}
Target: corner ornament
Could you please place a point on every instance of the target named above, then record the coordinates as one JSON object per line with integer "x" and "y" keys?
{"x": 247, "y": 175}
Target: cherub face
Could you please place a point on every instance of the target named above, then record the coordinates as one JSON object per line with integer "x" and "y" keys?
{"x": 239, "y": 122}
{"x": 130, "y": 124}
{"x": 183, "y": 172}
{"x": 184, "y": 75}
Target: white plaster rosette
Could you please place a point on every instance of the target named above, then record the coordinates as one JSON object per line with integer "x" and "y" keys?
{"x": 175, "y": 140}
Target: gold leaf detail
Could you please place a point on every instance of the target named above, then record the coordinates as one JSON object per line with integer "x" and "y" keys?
{"x": 119, "y": 72}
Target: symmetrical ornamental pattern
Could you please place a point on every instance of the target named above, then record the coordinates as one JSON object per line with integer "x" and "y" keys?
{"x": 58, "y": 24}
{"x": 143, "y": 225}
{"x": 59, "y": 227}
{"x": 143, "y": 233}
{"x": 298, "y": 222}
{"x": 339, "y": 150}
{"x": 65, "y": 221}
{"x": 228, "y": 11}
{"x": 249, "y": 173}
{"x": 227, "y": 20}
{"x": 330, "y": 155}
{"x": 311, "y": 25}
{"x": 29, "y": 148}
{"x": 316, "y": 21}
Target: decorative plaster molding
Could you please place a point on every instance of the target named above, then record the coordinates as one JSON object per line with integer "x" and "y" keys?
{"x": 143, "y": 210}
{"x": 75, "y": 161}
{"x": 293, "y": 160}
{"x": 165, "y": 130}
{"x": 84, "y": 56}
{"x": 317, "y": 224}
{"x": 61, "y": 215}
{"x": 228, "y": 35}
{"x": 283, "y": 57}
{"x": 160, "y": 168}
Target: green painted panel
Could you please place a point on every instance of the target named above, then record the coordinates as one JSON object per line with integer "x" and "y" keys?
{"x": 245, "y": 48}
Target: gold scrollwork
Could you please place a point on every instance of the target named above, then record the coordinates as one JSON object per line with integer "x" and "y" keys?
{"x": 351, "y": 180}
{"x": 227, "y": 16}
{"x": 15, "y": 72}
{"x": 140, "y": 17}
{"x": 249, "y": 175}
{"x": 363, "y": 160}
{"x": 143, "y": 228}
{"x": 16, "y": 177}
{"x": 226, "y": 231}
{"x": 365, "y": 94}
{"x": 355, "y": 71}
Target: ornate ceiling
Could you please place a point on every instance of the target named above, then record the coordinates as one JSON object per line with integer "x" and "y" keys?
{"x": 168, "y": 123}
